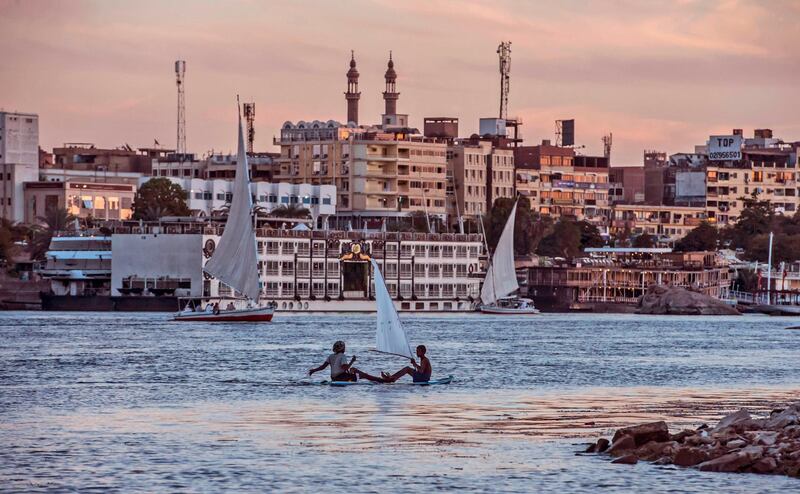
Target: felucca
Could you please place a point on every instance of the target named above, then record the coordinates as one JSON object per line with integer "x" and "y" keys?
{"x": 501, "y": 277}
{"x": 235, "y": 259}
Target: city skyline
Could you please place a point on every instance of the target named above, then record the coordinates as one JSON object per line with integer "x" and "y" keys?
{"x": 658, "y": 77}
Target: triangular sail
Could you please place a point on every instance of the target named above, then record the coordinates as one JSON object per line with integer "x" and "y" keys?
{"x": 235, "y": 260}
{"x": 501, "y": 277}
{"x": 390, "y": 337}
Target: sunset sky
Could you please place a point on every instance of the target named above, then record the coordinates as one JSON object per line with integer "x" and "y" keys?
{"x": 659, "y": 75}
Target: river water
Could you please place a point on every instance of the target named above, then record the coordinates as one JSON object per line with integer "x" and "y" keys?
{"x": 117, "y": 402}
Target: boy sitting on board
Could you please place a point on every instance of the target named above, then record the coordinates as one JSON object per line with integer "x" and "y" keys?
{"x": 420, "y": 373}
{"x": 340, "y": 369}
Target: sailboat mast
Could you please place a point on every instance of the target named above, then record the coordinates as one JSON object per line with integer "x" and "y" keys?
{"x": 488, "y": 255}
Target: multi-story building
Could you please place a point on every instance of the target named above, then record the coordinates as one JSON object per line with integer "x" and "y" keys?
{"x": 87, "y": 157}
{"x": 481, "y": 173}
{"x": 666, "y": 222}
{"x": 559, "y": 183}
{"x": 205, "y": 197}
{"x": 262, "y": 166}
{"x": 377, "y": 173}
{"x": 80, "y": 198}
{"x": 768, "y": 168}
{"x": 626, "y": 184}
{"x": 19, "y": 161}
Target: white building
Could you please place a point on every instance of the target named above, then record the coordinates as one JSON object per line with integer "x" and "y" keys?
{"x": 19, "y": 161}
{"x": 206, "y": 196}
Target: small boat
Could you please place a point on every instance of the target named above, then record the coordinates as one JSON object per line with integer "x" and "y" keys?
{"x": 510, "y": 305}
{"x": 390, "y": 337}
{"x": 235, "y": 260}
{"x": 432, "y": 382}
{"x": 501, "y": 277}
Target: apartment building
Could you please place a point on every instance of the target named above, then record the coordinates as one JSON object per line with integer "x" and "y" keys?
{"x": 481, "y": 173}
{"x": 19, "y": 161}
{"x": 560, "y": 183}
{"x": 666, "y": 222}
{"x": 82, "y": 199}
{"x": 377, "y": 172}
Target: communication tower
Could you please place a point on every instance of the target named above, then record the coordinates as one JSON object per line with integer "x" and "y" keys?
{"x": 607, "y": 146}
{"x": 504, "y": 51}
{"x": 250, "y": 118}
{"x": 180, "y": 147}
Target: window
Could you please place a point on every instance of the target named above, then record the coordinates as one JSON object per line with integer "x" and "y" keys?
{"x": 326, "y": 200}
{"x": 284, "y": 199}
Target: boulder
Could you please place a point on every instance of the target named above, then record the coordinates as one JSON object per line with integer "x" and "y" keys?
{"x": 602, "y": 444}
{"x": 736, "y": 444}
{"x": 653, "y": 450}
{"x": 766, "y": 464}
{"x": 733, "y": 419}
{"x": 644, "y": 433}
{"x": 622, "y": 446}
{"x": 687, "y": 456}
{"x": 786, "y": 418}
{"x": 660, "y": 299}
{"x": 627, "y": 460}
{"x": 682, "y": 435}
{"x": 732, "y": 462}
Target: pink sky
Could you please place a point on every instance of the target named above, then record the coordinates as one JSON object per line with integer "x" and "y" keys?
{"x": 659, "y": 75}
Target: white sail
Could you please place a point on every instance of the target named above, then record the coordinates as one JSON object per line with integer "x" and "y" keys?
{"x": 501, "y": 277}
{"x": 390, "y": 337}
{"x": 235, "y": 260}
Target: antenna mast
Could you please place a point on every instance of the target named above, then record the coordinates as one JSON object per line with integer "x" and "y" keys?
{"x": 504, "y": 51}
{"x": 607, "y": 146}
{"x": 180, "y": 147}
{"x": 250, "y": 117}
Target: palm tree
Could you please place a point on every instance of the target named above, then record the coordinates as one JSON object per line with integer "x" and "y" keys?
{"x": 290, "y": 211}
{"x": 56, "y": 219}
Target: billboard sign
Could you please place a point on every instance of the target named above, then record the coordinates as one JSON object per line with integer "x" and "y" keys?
{"x": 492, "y": 126}
{"x": 722, "y": 148}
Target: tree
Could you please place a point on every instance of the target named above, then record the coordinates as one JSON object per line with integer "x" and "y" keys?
{"x": 704, "y": 237}
{"x": 590, "y": 235}
{"x": 564, "y": 241}
{"x": 644, "y": 241}
{"x": 159, "y": 197}
{"x": 290, "y": 211}
{"x": 529, "y": 227}
{"x": 757, "y": 218}
{"x": 56, "y": 219}
{"x": 785, "y": 248}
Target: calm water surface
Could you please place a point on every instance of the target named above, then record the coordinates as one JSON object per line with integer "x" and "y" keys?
{"x": 134, "y": 402}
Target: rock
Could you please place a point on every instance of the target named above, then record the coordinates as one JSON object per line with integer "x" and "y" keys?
{"x": 736, "y": 444}
{"x": 783, "y": 419}
{"x": 766, "y": 464}
{"x": 686, "y": 456}
{"x": 622, "y": 446}
{"x": 602, "y": 444}
{"x": 733, "y": 419}
{"x": 652, "y": 450}
{"x": 644, "y": 433}
{"x": 682, "y": 435}
{"x": 731, "y": 462}
{"x": 592, "y": 448}
{"x": 627, "y": 460}
{"x": 765, "y": 438}
{"x": 664, "y": 460}
{"x": 660, "y": 299}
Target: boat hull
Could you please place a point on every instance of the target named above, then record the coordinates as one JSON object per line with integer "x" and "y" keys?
{"x": 509, "y": 311}
{"x": 260, "y": 314}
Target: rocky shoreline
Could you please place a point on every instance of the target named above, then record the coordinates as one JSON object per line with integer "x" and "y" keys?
{"x": 674, "y": 300}
{"x": 738, "y": 443}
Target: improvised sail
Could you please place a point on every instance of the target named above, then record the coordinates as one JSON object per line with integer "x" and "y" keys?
{"x": 235, "y": 260}
{"x": 390, "y": 337}
{"x": 501, "y": 277}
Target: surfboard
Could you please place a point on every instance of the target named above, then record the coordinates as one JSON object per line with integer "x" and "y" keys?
{"x": 444, "y": 380}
